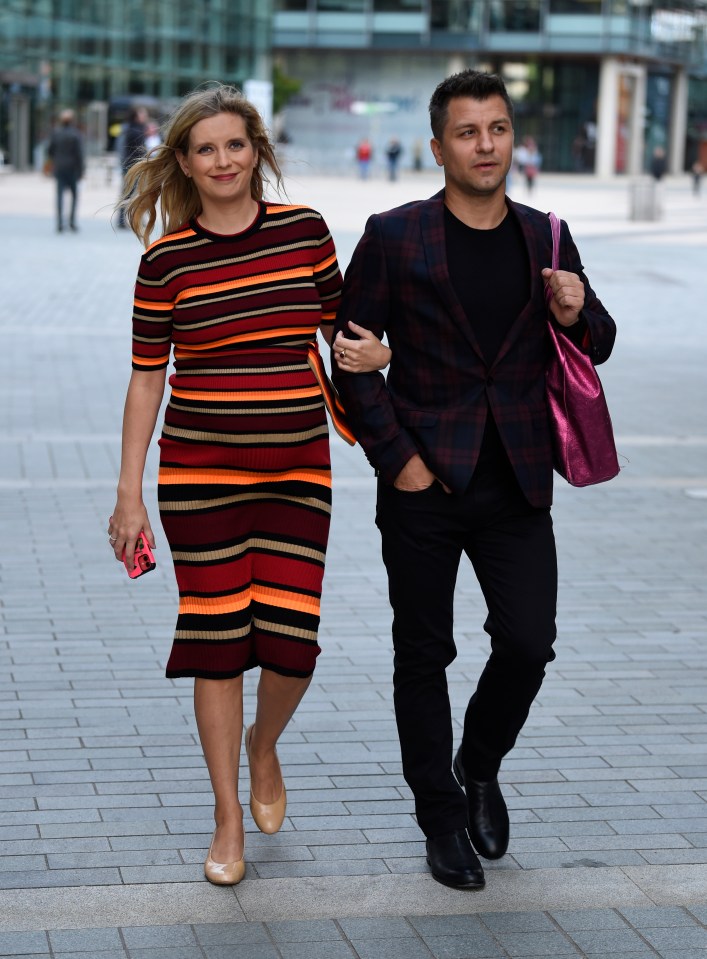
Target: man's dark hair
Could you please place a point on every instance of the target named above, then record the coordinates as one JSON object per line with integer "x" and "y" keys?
{"x": 468, "y": 83}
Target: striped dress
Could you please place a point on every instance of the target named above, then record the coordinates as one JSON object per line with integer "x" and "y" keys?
{"x": 245, "y": 476}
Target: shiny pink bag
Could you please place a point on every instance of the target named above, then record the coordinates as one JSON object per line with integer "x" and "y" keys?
{"x": 584, "y": 452}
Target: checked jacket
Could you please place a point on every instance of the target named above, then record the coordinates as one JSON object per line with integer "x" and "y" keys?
{"x": 438, "y": 390}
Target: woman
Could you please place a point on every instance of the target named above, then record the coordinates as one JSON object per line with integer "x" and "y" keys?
{"x": 239, "y": 287}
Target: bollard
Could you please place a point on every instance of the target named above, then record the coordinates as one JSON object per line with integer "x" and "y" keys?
{"x": 645, "y": 199}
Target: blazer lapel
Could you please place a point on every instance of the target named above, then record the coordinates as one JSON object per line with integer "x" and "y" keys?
{"x": 435, "y": 249}
{"x": 536, "y": 280}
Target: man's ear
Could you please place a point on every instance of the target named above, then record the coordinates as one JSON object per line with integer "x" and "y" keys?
{"x": 436, "y": 148}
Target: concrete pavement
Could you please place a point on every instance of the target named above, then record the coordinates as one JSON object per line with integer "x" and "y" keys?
{"x": 104, "y": 801}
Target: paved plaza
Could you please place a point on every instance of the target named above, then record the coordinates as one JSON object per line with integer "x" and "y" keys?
{"x": 105, "y": 805}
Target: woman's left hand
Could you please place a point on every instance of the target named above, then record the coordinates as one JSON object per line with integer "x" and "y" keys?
{"x": 364, "y": 355}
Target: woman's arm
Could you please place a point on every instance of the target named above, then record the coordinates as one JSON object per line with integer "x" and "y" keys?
{"x": 142, "y": 405}
{"x": 365, "y": 354}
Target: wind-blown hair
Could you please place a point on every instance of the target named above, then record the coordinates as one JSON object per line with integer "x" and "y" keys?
{"x": 158, "y": 179}
{"x": 468, "y": 83}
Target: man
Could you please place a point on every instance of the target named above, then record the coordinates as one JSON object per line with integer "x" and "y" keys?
{"x": 459, "y": 437}
{"x": 131, "y": 148}
{"x": 65, "y": 151}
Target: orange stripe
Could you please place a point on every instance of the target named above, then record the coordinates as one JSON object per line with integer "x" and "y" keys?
{"x": 271, "y": 596}
{"x": 211, "y": 605}
{"x": 325, "y": 263}
{"x": 247, "y": 281}
{"x": 304, "y": 331}
{"x": 214, "y": 605}
{"x": 286, "y": 206}
{"x": 170, "y": 236}
{"x": 144, "y": 361}
{"x": 148, "y": 305}
{"x": 247, "y": 396}
{"x": 179, "y": 476}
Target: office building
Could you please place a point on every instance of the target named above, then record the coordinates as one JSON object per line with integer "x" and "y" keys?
{"x": 599, "y": 84}
{"x": 100, "y": 56}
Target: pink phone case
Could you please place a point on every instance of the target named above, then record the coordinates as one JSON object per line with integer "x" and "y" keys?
{"x": 144, "y": 558}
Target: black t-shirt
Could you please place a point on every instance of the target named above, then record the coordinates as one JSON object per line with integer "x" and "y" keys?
{"x": 490, "y": 273}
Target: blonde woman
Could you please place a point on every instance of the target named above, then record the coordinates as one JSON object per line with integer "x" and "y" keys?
{"x": 238, "y": 287}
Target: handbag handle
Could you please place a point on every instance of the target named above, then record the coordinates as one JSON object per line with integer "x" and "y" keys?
{"x": 555, "y": 226}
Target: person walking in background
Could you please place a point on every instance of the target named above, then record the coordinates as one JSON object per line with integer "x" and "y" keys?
{"x": 66, "y": 156}
{"x": 392, "y": 152}
{"x": 529, "y": 161}
{"x": 697, "y": 171}
{"x": 239, "y": 287}
{"x": 458, "y": 433}
{"x": 132, "y": 148}
{"x": 364, "y": 154}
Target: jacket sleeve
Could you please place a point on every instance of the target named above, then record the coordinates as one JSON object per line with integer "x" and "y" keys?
{"x": 366, "y": 300}
{"x": 596, "y": 331}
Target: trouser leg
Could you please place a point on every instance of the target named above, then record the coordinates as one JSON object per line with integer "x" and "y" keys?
{"x": 73, "y": 189}
{"x": 422, "y": 558}
{"x": 515, "y": 561}
{"x": 60, "y": 186}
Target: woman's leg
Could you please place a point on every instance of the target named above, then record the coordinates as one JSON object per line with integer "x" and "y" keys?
{"x": 218, "y": 704}
{"x": 278, "y": 698}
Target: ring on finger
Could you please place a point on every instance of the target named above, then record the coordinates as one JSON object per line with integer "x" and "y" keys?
{"x": 343, "y": 354}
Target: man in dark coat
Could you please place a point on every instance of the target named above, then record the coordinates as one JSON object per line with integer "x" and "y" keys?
{"x": 65, "y": 151}
{"x": 459, "y": 436}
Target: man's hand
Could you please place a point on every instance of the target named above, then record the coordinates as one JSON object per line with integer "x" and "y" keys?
{"x": 415, "y": 477}
{"x": 568, "y": 295}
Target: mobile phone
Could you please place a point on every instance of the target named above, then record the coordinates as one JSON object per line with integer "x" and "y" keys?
{"x": 144, "y": 559}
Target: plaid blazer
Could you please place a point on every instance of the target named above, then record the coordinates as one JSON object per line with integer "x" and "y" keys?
{"x": 438, "y": 388}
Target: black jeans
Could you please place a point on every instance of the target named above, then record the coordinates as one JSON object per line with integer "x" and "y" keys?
{"x": 511, "y": 546}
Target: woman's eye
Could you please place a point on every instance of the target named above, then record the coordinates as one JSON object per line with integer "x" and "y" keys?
{"x": 237, "y": 145}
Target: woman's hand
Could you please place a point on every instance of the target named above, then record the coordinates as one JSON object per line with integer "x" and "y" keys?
{"x": 129, "y": 519}
{"x": 364, "y": 355}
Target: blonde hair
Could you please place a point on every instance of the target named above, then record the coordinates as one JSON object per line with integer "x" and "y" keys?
{"x": 158, "y": 178}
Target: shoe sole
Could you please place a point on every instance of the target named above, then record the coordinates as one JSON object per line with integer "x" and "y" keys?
{"x": 457, "y": 885}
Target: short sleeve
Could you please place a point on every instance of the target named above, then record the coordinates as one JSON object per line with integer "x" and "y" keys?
{"x": 327, "y": 274}
{"x": 152, "y": 315}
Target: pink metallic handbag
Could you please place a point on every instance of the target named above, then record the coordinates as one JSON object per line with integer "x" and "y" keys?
{"x": 582, "y": 436}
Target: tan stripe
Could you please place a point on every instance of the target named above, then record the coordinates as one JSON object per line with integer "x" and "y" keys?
{"x": 212, "y": 634}
{"x": 306, "y": 634}
{"x": 241, "y": 439}
{"x": 221, "y": 635}
{"x": 177, "y": 506}
{"x": 183, "y": 407}
{"x": 182, "y": 308}
{"x": 230, "y": 552}
{"x": 247, "y": 370}
{"x": 245, "y": 293}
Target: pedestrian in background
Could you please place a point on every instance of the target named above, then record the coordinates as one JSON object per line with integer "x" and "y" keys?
{"x": 392, "y": 152}
{"x": 529, "y": 161}
{"x": 459, "y": 435}
{"x": 65, "y": 152}
{"x": 132, "y": 148}
{"x": 239, "y": 287}
{"x": 364, "y": 153}
{"x": 697, "y": 170}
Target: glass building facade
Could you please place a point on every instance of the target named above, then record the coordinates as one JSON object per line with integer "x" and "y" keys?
{"x": 97, "y": 56}
{"x": 599, "y": 83}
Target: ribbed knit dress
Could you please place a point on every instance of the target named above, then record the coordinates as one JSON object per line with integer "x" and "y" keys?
{"x": 245, "y": 476}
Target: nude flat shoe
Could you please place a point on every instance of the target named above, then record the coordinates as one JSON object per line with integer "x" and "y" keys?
{"x": 268, "y": 817}
{"x": 224, "y": 873}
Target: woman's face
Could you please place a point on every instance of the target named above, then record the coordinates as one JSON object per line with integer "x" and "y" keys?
{"x": 220, "y": 160}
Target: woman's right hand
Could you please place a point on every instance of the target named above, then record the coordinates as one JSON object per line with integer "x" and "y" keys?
{"x": 364, "y": 355}
{"x": 129, "y": 519}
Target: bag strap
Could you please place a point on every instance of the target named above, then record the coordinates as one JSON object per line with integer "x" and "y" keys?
{"x": 555, "y": 226}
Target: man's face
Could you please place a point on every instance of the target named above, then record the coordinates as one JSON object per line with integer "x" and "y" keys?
{"x": 476, "y": 147}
